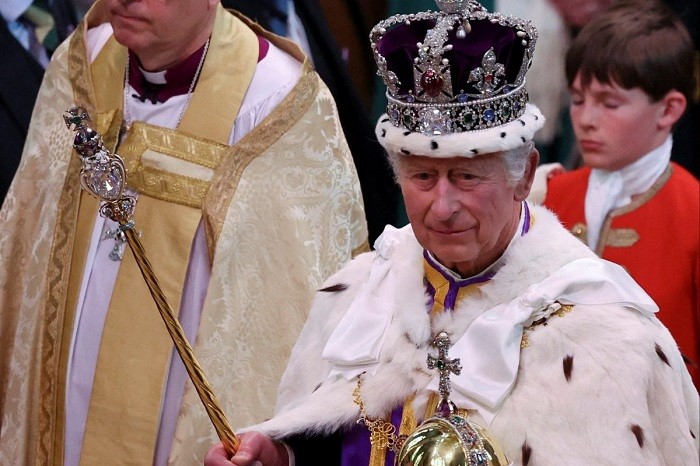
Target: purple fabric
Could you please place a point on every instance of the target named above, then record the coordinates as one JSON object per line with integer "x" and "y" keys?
{"x": 399, "y": 47}
{"x": 178, "y": 78}
{"x": 526, "y": 222}
{"x": 430, "y": 289}
{"x": 356, "y": 448}
{"x": 455, "y": 285}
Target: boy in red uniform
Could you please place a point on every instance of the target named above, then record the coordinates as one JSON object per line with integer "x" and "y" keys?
{"x": 630, "y": 72}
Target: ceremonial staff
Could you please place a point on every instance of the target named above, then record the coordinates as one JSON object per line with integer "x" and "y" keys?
{"x": 103, "y": 175}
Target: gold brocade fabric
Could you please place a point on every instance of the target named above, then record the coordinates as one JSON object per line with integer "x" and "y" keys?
{"x": 171, "y": 172}
{"x": 135, "y": 348}
{"x": 284, "y": 211}
{"x": 293, "y": 189}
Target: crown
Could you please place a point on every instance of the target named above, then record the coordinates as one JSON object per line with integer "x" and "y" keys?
{"x": 454, "y": 70}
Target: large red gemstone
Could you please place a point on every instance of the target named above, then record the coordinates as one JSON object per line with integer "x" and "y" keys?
{"x": 431, "y": 82}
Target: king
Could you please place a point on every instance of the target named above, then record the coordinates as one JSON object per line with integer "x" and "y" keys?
{"x": 545, "y": 354}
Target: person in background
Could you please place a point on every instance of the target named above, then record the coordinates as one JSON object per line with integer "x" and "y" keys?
{"x": 303, "y": 21}
{"x": 483, "y": 315}
{"x": 247, "y": 199}
{"x": 631, "y": 77}
{"x": 686, "y": 144}
{"x": 29, "y": 33}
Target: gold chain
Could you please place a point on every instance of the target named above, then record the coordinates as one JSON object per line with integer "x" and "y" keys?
{"x": 382, "y": 434}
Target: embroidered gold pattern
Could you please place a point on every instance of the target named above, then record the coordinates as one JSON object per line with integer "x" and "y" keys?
{"x": 382, "y": 433}
{"x": 50, "y": 425}
{"x": 622, "y": 237}
{"x": 57, "y": 283}
{"x": 565, "y": 309}
{"x": 161, "y": 184}
{"x": 525, "y": 341}
{"x": 561, "y": 312}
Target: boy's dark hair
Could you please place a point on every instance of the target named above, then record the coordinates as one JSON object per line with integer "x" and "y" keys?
{"x": 635, "y": 43}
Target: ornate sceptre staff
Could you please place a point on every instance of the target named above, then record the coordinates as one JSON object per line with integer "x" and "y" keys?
{"x": 103, "y": 175}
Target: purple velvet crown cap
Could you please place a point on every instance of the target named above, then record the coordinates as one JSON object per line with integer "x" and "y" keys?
{"x": 399, "y": 47}
{"x": 457, "y": 74}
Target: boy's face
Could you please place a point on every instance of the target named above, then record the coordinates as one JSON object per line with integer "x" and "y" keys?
{"x": 615, "y": 126}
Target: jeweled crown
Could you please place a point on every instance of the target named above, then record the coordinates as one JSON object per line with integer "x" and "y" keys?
{"x": 457, "y": 69}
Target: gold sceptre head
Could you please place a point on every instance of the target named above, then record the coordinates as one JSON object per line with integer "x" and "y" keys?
{"x": 448, "y": 438}
{"x": 103, "y": 175}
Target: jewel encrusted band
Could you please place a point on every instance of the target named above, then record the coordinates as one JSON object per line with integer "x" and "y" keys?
{"x": 449, "y": 118}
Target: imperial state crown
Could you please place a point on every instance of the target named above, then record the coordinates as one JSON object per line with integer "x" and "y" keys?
{"x": 455, "y": 71}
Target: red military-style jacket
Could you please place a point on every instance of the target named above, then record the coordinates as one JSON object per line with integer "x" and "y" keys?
{"x": 656, "y": 238}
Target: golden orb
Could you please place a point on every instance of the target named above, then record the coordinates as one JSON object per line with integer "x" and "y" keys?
{"x": 450, "y": 441}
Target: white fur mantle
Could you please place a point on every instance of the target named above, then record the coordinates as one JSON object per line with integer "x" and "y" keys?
{"x": 598, "y": 385}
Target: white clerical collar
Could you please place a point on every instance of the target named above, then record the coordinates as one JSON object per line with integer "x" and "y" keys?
{"x": 608, "y": 190}
{"x": 155, "y": 77}
{"x": 521, "y": 229}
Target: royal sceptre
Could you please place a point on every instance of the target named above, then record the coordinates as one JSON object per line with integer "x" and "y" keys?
{"x": 103, "y": 175}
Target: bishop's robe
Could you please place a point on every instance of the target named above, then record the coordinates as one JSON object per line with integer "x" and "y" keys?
{"x": 244, "y": 209}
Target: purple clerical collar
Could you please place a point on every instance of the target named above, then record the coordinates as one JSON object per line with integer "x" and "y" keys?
{"x": 160, "y": 86}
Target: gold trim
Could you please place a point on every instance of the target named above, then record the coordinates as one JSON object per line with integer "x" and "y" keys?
{"x": 409, "y": 423}
{"x": 179, "y": 144}
{"x": 643, "y": 198}
{"x": 224, "y": 81}
{"x": 107, "y": 72}
{"x": 606, "y": 232}
{"x": 108, "y": 124}
{"x": 169, "y": 187}
{"x": 622, "y": 237}
{"x": 280, "y": 42}
{"x": 382, "y": 432}
{"x": 565, "y": 309}
{"x": 87, "y": 207}
{"x": 50, "y": 426}
{"x": 432, "y": 404}
{"x": 525, "y": 341}
{"x": 256, "y": 142}
{"x": 162, "y": 184}
{"x": 79, "y": 70}
{"x": 51, "y": 404}
{"x": 580, "y": 230}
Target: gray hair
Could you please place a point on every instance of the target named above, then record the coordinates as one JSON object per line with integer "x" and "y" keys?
{"x": 515, "y": 161}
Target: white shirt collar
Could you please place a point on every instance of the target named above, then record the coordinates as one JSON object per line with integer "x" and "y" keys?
{"x": 608, "y": 190}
